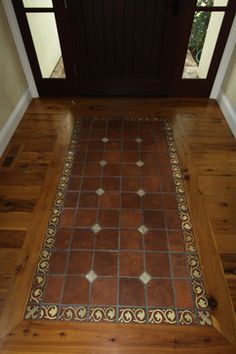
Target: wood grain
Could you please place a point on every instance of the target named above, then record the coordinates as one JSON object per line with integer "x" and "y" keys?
{"x": 27, "y": 183}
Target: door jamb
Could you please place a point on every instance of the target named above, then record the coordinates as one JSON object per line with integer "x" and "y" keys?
{"x": 13, "y": 24}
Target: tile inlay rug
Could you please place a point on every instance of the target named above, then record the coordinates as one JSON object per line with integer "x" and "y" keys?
{"x": 119, "y": 245}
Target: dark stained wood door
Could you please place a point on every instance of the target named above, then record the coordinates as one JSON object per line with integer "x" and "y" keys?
{"x": 123, "y": 47}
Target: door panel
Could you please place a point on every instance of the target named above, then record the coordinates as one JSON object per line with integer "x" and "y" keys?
{"x": 125, "y": 45}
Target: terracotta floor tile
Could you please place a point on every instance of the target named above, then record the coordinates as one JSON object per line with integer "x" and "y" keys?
{"x": 82, "y": 239}
{"x": 131, "y": 264}
{"x": 90, "y": 184}
{"x": 82, "y": 145}
{"x": 79, "y": 156}
{"x": 129, "y": 156}
{"x": 105, "y": 263}
{"x": 114, "y": 134}
{"x": 58, "y": 262}
{"x": 153, "y": 219}
{"x": 151, "y": 184}
{"x": 160, "y": 293}
{"x": 76, "y": 290}
{"x": 130, "y": 170}
{"x": 157, "y": 264}
{"x": 183, "y": 292}
{"x": 53, "y": 289}
{"x": 130, "y": 200}
{"x": 131, "y": 292}
{"x": 110, "y": 200}
{"x": 169, "y": 201}
{"x": 63, "y": 238}
{"x": 113, "y": 145}
{"x": 79, "y": 262}
{"x": 131, "y": 240}
{"x": 148, "y": 146}
{"x": 107, "y": 239}
{"x": 111, "y": 170}
{"x": 67, "y": 218}
{"x": 74, "y": 183}
{"x": 130, "y": 145}
{"x": 163, "y": 157}
{"x": 111, "y": 183}
{"x": 98, "y": 134}
{"x": 176, "y": 243}
{"x": 156, "y": 240}
{"x": 96, "y": 145}
{"x": 77, "y": 169}
{"x": 85, "y": 217}
{"x": 104, "y": 291}
{"x": 179, "y": 265}
{"x": 114, "y": 124}
{"x": 168, "y": 185}
{"x": 148, "y": 157}
{"x": 99, "y": 124}
{"x": 108, "y": 218}
{"x": 172, "y": 219}
{"x": 149, "y": 170}
{"x": 92, "y": 170}
{"x": 88, "y": 200}
{"x": 131, "y": 184}
{"x": 94, "y": 156}
{"x": 131, "y": 218}
{"x": 71, "y": 199}
{"x": 152, "y": 201}
{"x": 112, "y": 157}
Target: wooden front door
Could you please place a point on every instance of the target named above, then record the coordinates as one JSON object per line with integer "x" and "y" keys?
{"x": 123, "y": 47}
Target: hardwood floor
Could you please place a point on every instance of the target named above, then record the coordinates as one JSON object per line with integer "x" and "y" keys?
{"x": 29, "y": 169}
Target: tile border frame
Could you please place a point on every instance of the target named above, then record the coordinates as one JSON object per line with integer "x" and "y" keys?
{"x": 200, "y": 316}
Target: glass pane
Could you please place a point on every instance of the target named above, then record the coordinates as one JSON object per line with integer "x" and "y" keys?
{"x": 205, "y": 30}
{"x": 46, "y": 42}
{"x": 212, "y": 2}
{"x": 37, "y": 3}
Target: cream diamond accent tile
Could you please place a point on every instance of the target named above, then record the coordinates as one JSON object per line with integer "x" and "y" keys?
{"x": 103, "y": 163}
{"x": 143, "y": 229}
{"x": 139, "y": 163}
{"x": 141, "y": 192}
{"x": 138, "y": 140}
{"x": 91, "y": 276}
{"x": 96, "y": 228}
{"x": 105, "y": 140}
{"x": 145, "y": 277}
{"x": 100, "y": 191}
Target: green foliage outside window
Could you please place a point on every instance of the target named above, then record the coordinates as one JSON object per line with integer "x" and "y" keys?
{"x": 199, "y": 29}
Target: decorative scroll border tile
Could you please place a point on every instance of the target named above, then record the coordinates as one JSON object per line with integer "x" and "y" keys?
{"x": 201, "y": 316}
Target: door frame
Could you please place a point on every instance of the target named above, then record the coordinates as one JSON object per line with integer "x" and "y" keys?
{"x": 18, "y": 40}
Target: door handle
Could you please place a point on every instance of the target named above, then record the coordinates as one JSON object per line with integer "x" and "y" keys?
{"x": 175, "y": 7}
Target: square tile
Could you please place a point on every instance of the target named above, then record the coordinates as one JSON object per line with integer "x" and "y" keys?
{"x": 104, "y": 291}
{"x": 71, "y": 199}
{"x": 143, "y": 229}
{"x": 88, "y": 200}
{"x": 130, "y": 170}
{"x": 129, "y": 156}
{"x": 79, "y": 262}
{"x": 53, "y": 289}
{"x": 131, "y": 263}
{"x": 63, "y": 238}
{"x": 108, "y": 218}
{"x": 103, "y": 163}
{"x": 105, "y": 263}
{"x": 91, "y": 276}
{"x": 107, "y": 239}
{"x": 160, "y": 293}
{"x": 141, "y": 192}
{"x": 131, "y": 240}
{"x": 90, "y": 184}
{"x": 151, "y": 184}
{"x": 176, "y": 242}
{"x": 94, "y": 156}
{"x": 112, "y": 157}
{"x": 145, "y": 278}
{"x": 131, "y": 218}
{"x": 76, "y": 290}
{"x": 110, "y": 200}
{"x": 100, "y": 191}
{"x": 67, "y": 218}
{"x": 111, "y": 170}
{"x": 139, "y": 163}
{"x": 172, "y": 219}
{"x": 92, "y": 170}
{"x": 157, "y": 264}
{"x": 183, "y": 293}
{"x": 82, "y": 239}
{"x": 153, "y": 219}
{"x": 113, "y": 145}
{"x": 85, "y": 217}
{"x": 156, "y": 240}
{"x": 96, "y": 228}
{"x": 169, "y": 201}
{"x": 111, "y": 183}
{"x": 58, "y": 262}
{"x": 74, "y": 183}
{"x": 96, "y": 145}
{"x": 152, "y": 201}
{"x": 130, "y": 200}
{"x": 77, "y": 169}
{"x": 131, "y": 184}
{"x": 179, "y": 265}
{"x": 131, "y": 292}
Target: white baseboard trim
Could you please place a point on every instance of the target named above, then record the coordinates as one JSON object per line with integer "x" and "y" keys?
{"x": 228, "y": 111}
{"x": 14, "y": 119}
